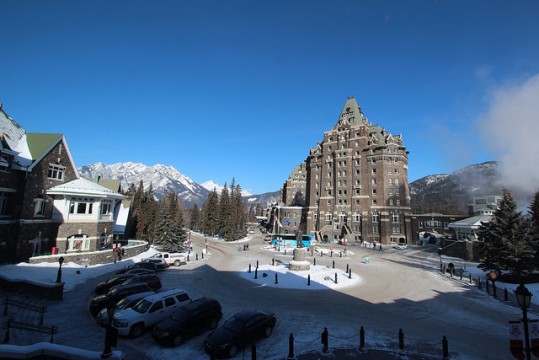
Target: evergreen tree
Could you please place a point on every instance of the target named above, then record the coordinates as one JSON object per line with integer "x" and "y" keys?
{"x": 508, "y": 243}
{"x": 195, "y": 218}
{"x": 237, "y": 214}
{"x": 210, "y": 213}
{"x": 534, "y": 214}
{"x": 224, "y": 229}
{"x": 168, "y": 234}
{"x": 147, "y": 216}
{"x": 134, "y": 210}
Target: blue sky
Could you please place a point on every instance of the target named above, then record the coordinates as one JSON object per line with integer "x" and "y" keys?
{"x": 243, "y": 89}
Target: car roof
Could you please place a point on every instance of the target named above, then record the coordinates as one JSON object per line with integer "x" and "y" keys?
{"x": 127, "y": 286}
{"x": 198, "y": 302}
{"x": 160, "y": 295}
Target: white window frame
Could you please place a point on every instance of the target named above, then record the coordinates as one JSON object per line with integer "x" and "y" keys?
{"x": 56, "y": 172}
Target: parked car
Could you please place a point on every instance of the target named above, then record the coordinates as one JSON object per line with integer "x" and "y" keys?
{"x": 240, "y": 330}
{"x": 104, "y": 286}
{"x": 115, "y": 294}
{"x": 148, "y": 312}
{"x": 152, "y": 280}
{"x": 175, "y": 259}
{"x": 142, "y": 264}
{"x": 160, "y": 264}
{"x": 189, "y": 320}
{"x": 140, "y": 270}
{"x": 102, "y": 317}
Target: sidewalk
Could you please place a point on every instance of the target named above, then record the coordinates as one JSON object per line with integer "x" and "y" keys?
{"x": 355, "y": 354}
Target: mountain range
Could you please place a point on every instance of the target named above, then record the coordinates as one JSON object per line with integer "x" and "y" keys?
{"x": 444, "y": 193}
{"x": 165, "y": 179}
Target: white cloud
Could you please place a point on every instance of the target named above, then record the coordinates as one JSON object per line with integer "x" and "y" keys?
{"x": 509, "y": 129}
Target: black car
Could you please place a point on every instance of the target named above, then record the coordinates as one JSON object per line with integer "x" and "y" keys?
{"x": 152, "y": 280}
{"x": 189, "y": 320}
{"x": 240, "y": 330}
{"x": 143, "y": 264}
{"x": 140, "y": 271}
{"x": 104, "y": 287}
{"x": 115, "y": 294}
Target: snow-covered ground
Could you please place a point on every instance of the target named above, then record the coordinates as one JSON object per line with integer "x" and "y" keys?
{"x": 368, "y": 279}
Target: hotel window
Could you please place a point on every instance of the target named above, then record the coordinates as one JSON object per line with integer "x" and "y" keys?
{"x": 374, "y": 202}
{"x": 373, "y": 181}
{"x": 56, "y": 172}
{"x": 328, "y": 217}
{"x": 375, "y": 229}
{"x": 373, "y": 171}
{"x": 397, "y": 202}
{"x": 373, "y": 192}
{"x": 396, "y": 171}
{"x": 375, "y": 217}
{"x": 396, "y": 181}
{"x": 81, "y": 206}
{"x": 396, "y": 229}
{"x": 3, "y": 203}
{"x": 421, "y": 224}
{"x": 390, "y": 181}
{"x": 39, "y": 206}
{"x": 390, "y": 192}
{"x": 390, "y": 202}
{"x": 106, "y": 206}
{"x": 397, "y": 192}
{"x": 357, "y": 217}
{"x": 395, "y": 217}
{"x": 5, "y": 162}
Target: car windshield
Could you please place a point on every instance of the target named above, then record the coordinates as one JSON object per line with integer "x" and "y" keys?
{"x": 142, "y": 306}
{"x": 234, "y": 324}
{"x": 180, "y": 314}
{"x": 122, "y": 304}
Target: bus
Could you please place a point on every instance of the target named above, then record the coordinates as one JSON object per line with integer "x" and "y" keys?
{"x": 289, "y": 240}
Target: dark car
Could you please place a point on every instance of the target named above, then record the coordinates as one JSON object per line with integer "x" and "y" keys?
{"x": 152, "y": 281}
{"x": 115, "y": 294}
{"x": 104, "y": 287}
{"x": 160, "y": 264}
{"x": 140, "y": 270}
{"x": 102, "y": 317}
{"x": 143, "y": 264}
{"x": 189, "y": 320}
{"x": 240, "y": 330}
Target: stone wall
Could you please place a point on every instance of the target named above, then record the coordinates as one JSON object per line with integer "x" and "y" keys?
{"x": 133, "y": 248}
{"x": 462, "y": 249}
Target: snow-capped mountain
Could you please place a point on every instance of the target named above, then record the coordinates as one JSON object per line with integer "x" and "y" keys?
{"x": 451, "y": 193}
{"x": 162, "y": 178}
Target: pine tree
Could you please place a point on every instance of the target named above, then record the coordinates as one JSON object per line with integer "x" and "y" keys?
{"x": 195, "y": 218}
{"x": 210, "y": 213}
{"x": 134, "y": 210}
{"x": 508, "y": 240}
{"x": 168, "y": 234}
{"x": 237, "y": 215}
{"x": 534, "y": 213}
{"x": 224, "y": 229}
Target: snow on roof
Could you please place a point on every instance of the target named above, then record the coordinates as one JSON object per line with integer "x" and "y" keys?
{"x": 83, "y": 187}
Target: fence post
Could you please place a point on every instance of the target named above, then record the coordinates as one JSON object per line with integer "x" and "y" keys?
{"x": 273, "y": 262}
{"x": 401, "y": 341}
{"x": 479, "y": 282}
{"x": 333, "y": 264}
{"x": 325, "y": 337}
{"x": 505, "y": 295}
{"x": 6, "y": 337}
{"x": 350, "y": 273}
{"x": 276, "y": 279}
{"x": 53, "y": 328}
{"x": 445, "y": 351}
{"x": 253, "y": 351}
{"x": 257, "y": 263}
{"x": 361, "y": 339}
{"x": 256, "y": 273}
{"x": 42, "y": 312}
{"x": 249, "y": 268}
{"x": 291, "y": 347}
{"x": 471, "y": 281}
{"x": 335, "y": 278}
{"x": 494, "y": 289}
{"x": 314, "y": 261}
{"x": 196, "y": 256}
{"x": 347, "y": 267}
{"x": 309, "y": 280}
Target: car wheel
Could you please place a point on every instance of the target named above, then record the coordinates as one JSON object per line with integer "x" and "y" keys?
{"x": 136, "y": 330}
{"x": 268, "y": 331}
{"x": 232, "y": 351}
{"x": 177, "y": 340}
{"x": 213, "y": 324}
{"x": 177, "y": 263}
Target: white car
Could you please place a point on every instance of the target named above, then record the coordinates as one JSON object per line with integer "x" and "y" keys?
{"x": 148, "y": 312}
{"x": 175, "y": 259}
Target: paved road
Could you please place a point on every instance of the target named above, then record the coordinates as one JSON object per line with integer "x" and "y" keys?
{"x": 399, "y": 289}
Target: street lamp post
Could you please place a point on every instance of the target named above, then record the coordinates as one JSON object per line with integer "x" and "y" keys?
{"x": 59, "y": 275}
{"x": 524, "y": 297}
{"x": 107, "y": 351}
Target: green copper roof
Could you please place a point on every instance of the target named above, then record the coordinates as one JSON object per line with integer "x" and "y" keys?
{"x": 40, "y": 143}
{"x": 351, "y": 114}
